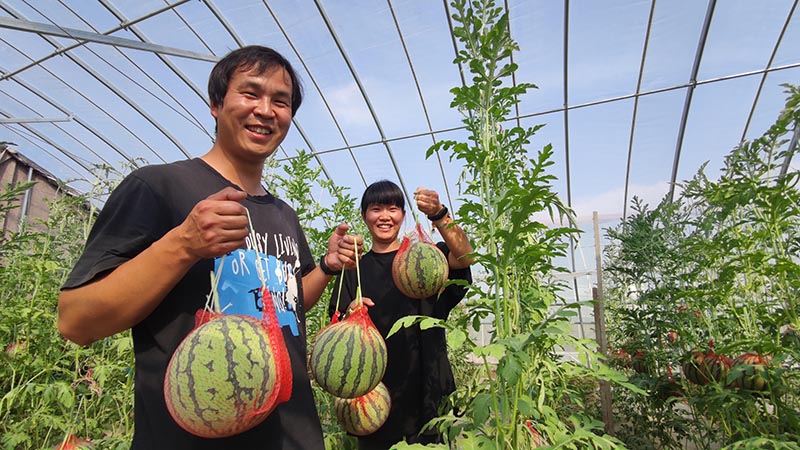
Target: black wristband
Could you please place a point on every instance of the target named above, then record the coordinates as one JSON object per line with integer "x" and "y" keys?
{"x": 327, "y": 270}
{"x": 438, "y": 216}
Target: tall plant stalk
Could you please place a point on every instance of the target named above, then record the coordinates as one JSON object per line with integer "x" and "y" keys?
{"x": 524, "y": 385}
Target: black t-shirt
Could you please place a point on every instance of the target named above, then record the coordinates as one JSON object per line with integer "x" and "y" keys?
{"x": 418, "y": 373}
{"x": 146, "y": 205}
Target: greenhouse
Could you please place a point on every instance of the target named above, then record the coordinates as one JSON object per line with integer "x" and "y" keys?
{"x": 624, "y": 174}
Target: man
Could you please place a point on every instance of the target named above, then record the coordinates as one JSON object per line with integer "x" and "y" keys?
{"x": 148, "y": 259}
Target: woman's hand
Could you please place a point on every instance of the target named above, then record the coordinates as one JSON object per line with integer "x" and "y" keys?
{"x": 427, "y": 201}
{"x": 355, "y": 304}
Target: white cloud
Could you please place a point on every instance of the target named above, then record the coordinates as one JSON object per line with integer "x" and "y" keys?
{"x": 348, "y": 105}
{"x": 609, "y": 204}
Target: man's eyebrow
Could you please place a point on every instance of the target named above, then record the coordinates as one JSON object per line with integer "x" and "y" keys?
{"x": 249, "y": 84}
{"x": 256, "y": 86}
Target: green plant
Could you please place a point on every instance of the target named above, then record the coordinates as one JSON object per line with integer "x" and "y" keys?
{"x": 320, "y": 206}
{"x": 521, "y": 378}
{"x": 715, "y": 272}
{"x": 10, "y": 199}
{"x": 52, "y": 388}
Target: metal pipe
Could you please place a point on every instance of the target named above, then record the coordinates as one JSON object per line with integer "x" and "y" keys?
{"x": 25, "y": 201}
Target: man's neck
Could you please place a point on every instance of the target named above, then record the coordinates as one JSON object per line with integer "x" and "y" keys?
{"x": 246, "y": 175}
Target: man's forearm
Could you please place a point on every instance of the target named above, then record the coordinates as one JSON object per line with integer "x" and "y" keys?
{"x": 125, "y": 296}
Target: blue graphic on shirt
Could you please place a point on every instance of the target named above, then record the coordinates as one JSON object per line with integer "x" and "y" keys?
{"x": 239, "y": 281}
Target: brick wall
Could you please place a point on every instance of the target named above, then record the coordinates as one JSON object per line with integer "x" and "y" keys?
{"x": 15, "y": 169}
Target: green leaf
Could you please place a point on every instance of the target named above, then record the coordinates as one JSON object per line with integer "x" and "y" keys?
{"x": 456, "y": 338}
{"x": 66, "y": 396}
{"x": 525, "y": 405}
{"x": 481, "y": 407}
{"x": 405, "y": 322}
{"x": 432, "y": 322}
{"x": 510, "y": 369}
{"x": 493, "y": 350}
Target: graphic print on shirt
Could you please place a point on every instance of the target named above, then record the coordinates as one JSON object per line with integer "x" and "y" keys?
{"x": 239, "y": 275}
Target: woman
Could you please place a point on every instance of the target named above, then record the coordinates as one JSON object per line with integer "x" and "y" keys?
{"x": 418, "y": 373}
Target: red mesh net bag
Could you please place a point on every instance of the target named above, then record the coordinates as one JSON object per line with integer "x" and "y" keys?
{"x": 419, "y": 269}
{"x": 229, "y": 373}
{"x": 348, "y": 357}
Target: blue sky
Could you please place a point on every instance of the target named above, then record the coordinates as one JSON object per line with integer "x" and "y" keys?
{"x": 132, "y": 104}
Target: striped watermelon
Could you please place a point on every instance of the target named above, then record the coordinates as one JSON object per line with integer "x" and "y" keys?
{"x": 703, "y": 368}
{"x": 223, "y": 378}
{"x": 348, "y": 358}
{"x": 642, "y": 362}
{"x": 364, "y": 415}
{"x": 750, "y": 368}
{"x": 419, "y": 269}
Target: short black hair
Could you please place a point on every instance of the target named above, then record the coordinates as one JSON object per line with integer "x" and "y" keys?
{"x": 246, "y": 58}
{"x": 383, "y": 192}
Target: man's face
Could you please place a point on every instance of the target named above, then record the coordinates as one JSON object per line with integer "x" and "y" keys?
{"x": 255, "y": 114}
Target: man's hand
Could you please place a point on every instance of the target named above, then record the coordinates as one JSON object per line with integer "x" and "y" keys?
{"x": 216, "y": 225}
{"x": 343, "y": 249}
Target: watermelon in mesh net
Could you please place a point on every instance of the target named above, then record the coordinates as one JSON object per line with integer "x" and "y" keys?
{"x": 419, "y": 269}
{"x": 364, "y": 415}
{"x": 229, "y": 373}
{"x": 348, "y": 357}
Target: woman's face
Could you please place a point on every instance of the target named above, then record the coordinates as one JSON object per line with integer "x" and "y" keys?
{"x": 384, "y": 222}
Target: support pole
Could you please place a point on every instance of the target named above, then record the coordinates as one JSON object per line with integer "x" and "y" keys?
{"x": 600, "y": 328}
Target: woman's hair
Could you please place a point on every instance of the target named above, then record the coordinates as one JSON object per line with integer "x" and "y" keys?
{"x": 246, "y": 58}
{"x": 382, "y": 192}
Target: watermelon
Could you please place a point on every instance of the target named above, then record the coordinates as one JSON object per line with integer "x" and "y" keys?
{"x": 619, "y": 358}
{"x": 419, "y": 269}
{"x": 348, "y": 358}
{"x": 643, "y": 363}
{"x": 748, "y": 371}
{"x": 364, "y": 415}
{"x": 224, "y": 376}
{"x": 703, "y": 368}
{"x": 790, "y": 336}
{"x": 692, "y": 369}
